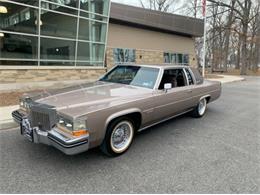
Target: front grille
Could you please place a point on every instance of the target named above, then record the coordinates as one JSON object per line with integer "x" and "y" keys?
{"x": 43, "y": 116}
{"x": 40, "y": 120}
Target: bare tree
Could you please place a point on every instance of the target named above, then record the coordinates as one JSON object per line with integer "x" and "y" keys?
{"x": 242, "y": 11}
{"x": 160, "y": 5}
{"x": 228, "y": 26}
{"x": 254, "y": 50}
{"x": 233, "y": 34}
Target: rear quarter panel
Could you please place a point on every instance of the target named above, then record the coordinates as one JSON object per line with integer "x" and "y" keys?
{"x": 207, "y": 88}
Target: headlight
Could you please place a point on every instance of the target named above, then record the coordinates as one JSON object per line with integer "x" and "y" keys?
{"x": 21, "y": 103}
{"x": 25, "y": 103}
{"x": 77, "y": 127}
{"x": 80, "y": 124}
{"x": 64, "y": 123}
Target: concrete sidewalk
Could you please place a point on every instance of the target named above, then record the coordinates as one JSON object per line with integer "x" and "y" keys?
{"x": 6, "y": 120}
{"x": 227, "y": 78}
{"x": 30, "y": 86}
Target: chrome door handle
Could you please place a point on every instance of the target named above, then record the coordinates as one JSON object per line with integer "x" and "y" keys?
{"x": 189, "y": 91}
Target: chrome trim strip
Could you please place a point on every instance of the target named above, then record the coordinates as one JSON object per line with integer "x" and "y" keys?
{"x": 168, "y": 104}
{"x": 65, "y": 145}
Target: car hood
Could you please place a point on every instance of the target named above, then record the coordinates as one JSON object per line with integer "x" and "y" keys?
{"x": 85, "y": 98}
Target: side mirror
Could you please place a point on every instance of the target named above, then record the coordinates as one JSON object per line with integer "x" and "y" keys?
{"x": 167, "y": 86}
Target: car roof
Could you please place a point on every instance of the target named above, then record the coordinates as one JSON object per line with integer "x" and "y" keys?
{"x": 164, "y": 66}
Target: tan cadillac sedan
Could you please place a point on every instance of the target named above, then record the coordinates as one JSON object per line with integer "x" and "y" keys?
{"x": 108, "y": 112}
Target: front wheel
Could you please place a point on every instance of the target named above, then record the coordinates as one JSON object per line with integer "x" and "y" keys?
{"x": 200, "y": 109}
{"x": 119, "y": 136}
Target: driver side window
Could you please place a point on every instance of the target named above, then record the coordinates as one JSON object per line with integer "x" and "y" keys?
{"x": 174, "y": 76}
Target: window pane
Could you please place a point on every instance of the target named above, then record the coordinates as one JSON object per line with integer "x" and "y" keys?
{"x": 90, "y": 52}
{"x": 58, "y": 25}
{"x": 180, "y": 60}
{"x": 129, "y": 55}
{"x": 99, "y": 31}
{"x": 98, "y": 54}
{"x": 47, "y": 7}
{"x": 18, "y": 18}
{"x": 84, "y": 30}
{"x": 173, "y": 58}
{"x": 84, "y": 5}
{"x": 18, "y": 46}
{"x": 57, "y": 49}
{"x": 124, "y": 55}
{"x": 167, "y": 58}
{"x": 93, "y": 31}
{"x": 186, "y": 59}
{"x": 119, "y": 55}
{"x": 71, "y": 3}
{"x": 84, "y": 51}
{"x": 97, "y": 6}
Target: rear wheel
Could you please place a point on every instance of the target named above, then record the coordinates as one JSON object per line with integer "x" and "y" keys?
{"x": 119, "y": 136}
{"x": 200, "y": 109}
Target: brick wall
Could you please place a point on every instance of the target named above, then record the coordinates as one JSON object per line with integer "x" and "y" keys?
{"x": 34, "y": 75}
{"x": 149, "y": 57}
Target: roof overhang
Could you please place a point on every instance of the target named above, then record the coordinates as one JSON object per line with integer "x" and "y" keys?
{"x": 156, "y": 20}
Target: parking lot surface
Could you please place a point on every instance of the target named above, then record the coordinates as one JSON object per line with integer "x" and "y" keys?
{"x": 219, "y": 153}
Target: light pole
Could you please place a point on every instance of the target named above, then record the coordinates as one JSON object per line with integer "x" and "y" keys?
{"x": 204, "y": 38}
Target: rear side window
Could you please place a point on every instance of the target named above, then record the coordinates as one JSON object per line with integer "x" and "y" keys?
{"x": 197, "y": 75}
{"x": 189, "y": 77}
{"x": 174, "y": 76}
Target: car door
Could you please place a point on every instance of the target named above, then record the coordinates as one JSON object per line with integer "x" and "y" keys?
{"x": 176, "y": 100}
{"x": 192, "y": 86}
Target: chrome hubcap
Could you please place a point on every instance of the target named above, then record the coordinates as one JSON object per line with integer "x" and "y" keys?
{"x": 121, "y": 136}
{"x": 202, "y": 106}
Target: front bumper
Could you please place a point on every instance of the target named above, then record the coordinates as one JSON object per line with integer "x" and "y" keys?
{"x": 67, "y": 144}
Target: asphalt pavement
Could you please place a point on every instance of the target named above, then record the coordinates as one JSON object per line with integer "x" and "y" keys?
{"x": 219, "y": 153}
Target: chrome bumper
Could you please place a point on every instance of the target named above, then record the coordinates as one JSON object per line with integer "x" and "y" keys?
{"x": 55, "y": 138}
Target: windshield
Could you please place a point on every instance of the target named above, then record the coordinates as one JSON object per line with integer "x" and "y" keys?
{"x": 133, "y": 75}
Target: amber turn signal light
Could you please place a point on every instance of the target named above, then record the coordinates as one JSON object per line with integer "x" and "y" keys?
{"x": 79, "y": 133}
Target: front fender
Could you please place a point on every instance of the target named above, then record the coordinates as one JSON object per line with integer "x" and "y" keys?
{"x": 121, "y": 113}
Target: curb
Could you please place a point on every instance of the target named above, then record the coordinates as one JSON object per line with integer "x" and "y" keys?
{"x": 239, "y": 80}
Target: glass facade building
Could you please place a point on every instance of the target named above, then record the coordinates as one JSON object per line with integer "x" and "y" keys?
{"x": 53, "y": 32}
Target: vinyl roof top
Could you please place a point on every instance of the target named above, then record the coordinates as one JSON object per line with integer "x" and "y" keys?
{"x": 156, "y": 20}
